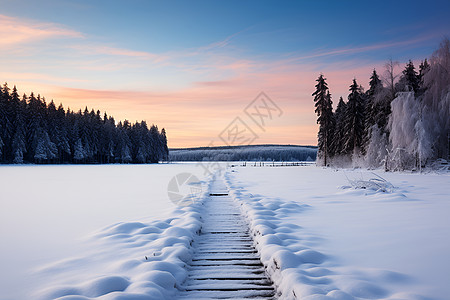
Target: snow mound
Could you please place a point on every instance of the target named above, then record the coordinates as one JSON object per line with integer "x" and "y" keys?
{"x": 139, "y": 260}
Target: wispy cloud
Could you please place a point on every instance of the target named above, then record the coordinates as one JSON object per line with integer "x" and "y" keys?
{"x": 222, "y": 43}
{"x": 91, "y": 48}
{"x": 362, "y": 49}
{"x": 16, "y": 31}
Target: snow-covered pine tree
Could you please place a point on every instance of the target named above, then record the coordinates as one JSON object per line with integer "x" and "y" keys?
{"x": 45, "y": 149}
{"x": 32, "y": 131}
{"x": 324, "y": 111}
{"x": 62, "y": 132}
{"x": 409, "y": 81}
{"x": 371, "y": 107}
{"x": 354, "y": 120}
{"x": 423, "y": 68}
{"x": 6, "y": 122}
{"x": 18, "y": 149}
{"x": 78, "y": 151}
{"x": 165, "y": 149}
{"x": 338, "y": 136}
{"x": 110, "y": 134}
{"x": 34, "y": 118}
{"x": 155, "y": 143}
{"x": 123, "y": 144}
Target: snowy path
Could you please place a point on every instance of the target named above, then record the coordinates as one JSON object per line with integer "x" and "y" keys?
{"x": 225, "y": 263}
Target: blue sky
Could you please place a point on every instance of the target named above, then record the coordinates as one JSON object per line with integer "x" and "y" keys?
{"x": 258, "y": 27}
{"x": 213, "y": 56}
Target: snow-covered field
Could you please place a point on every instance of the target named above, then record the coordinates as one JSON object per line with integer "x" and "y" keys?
{"x": 368, "y": 244}
{"x": 54, "y": 220}
{"x": 110, "y": 232}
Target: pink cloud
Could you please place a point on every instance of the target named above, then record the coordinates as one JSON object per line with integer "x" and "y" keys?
{"x": 16, "y": 31}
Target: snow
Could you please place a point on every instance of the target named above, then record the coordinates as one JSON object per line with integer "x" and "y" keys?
{"x": 321, "y": 239}
{"x": 51, "y": 219}
{"x": 111, "y": 232}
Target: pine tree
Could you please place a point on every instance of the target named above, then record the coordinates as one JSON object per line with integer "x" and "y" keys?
{"x": 18, "y": 149}
{"x": 1, "y": 145}
{"x": 409, "y": 81}
{"x": 338, "y": 137}
{"x": 6, "y": 122}
{"x": 423, "y": 69}
{"x": 33, "y": 125}
{"x": 374, "y": 84}
{"x": 324, "y": 111}
{"x": 33, "y": 132}
{"x": 155, "y": 144}
{"x": 79, "y": 154}
{"x": 45, "y": 150}
{"x": 372, "y": 107}
{"x": 354, "y": 120}
{"x": 62, "y": 134}
{"x": 110, "y": 133}
{"x": 165, "y": 149}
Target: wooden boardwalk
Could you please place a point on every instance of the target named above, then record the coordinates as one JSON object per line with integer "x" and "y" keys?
{"x": 225, "y": 264}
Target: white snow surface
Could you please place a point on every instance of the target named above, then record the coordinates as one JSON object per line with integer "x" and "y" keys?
{"x": 111, "y": 233}
{"x": 321, "y": 238}
{"x": 85, "y": 231}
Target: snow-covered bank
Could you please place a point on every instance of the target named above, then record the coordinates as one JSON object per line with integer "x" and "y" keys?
{"x": 48, "y": 212}
{"x": 322, "y": 240}
{"x": 135, "y": 261}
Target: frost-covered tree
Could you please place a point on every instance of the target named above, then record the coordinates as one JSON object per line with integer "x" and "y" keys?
{"x": 324, "y": 111}
{"x": 436, "y": 101}
{"x": 410, "y": 146}
{"x": 407, "y": 121}
{"x": 354, "y": 120}
{"x": 376, "y": 148}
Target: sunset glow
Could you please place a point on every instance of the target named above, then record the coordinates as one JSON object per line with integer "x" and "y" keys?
{"x": 193, "y": 68}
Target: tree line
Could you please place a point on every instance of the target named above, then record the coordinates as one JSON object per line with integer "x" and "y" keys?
{"x": 245, "y": 153}
{"x": 401, "y": 122}
{"x": 32, "y": 131}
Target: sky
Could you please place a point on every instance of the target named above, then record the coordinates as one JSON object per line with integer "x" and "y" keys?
{"x": 197, "y": 68}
